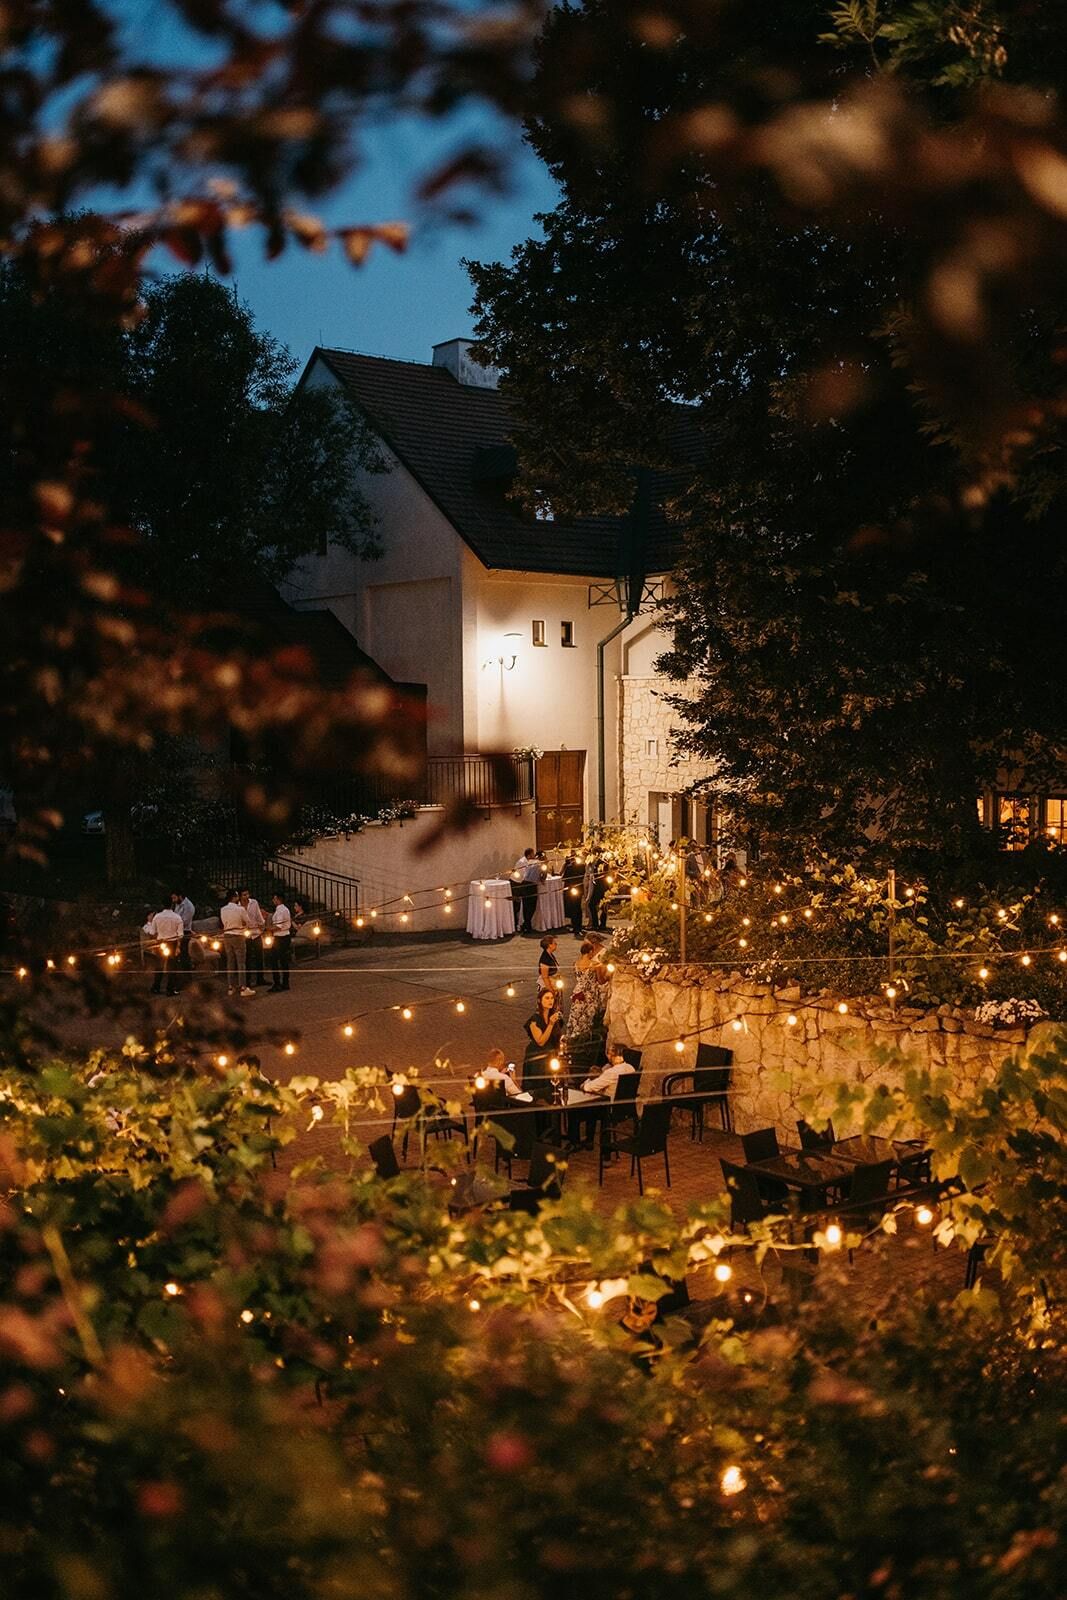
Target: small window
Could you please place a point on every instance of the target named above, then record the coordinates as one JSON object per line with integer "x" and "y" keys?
{"x": 566, "y": 635}
{"x": 651, "y": 747}
{"x": 1013, "y": 819}
{"x": 538, "y": 632}
{"x": 1056, "y": 819}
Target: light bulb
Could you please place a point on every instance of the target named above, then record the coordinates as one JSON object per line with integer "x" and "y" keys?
{"x": 553, "y": 1065}
{"x": 679, "y": 1045}
{"x": 247, "y": 1316}
{"x": 289, "y": 1048}
{"x": 72, "y": 961}
{"x": 1054, "y": 919}
{"x": 403, "y": 916}
{"x": 983, "y": 972}
{"x": 732, "y": 1481}
{"x": 448, "y": 910}
{"x": 481, "y": 1081}
{"x": 737, "y": 1024}
{"x": 723, "y": 1272}
{"x": 348, "y": 1030}
{"x": 909, "y": 894}
{"x": 510, "y": 991}
{"x": 783, "y": 919}
{"x": 809, "y": 913}
{"x": 215, "y": 945}
{"x": 742, "y": 944}
{"x": 474, "y": 1305}
{"x": 593, "y": 1298}
{"x": 398, "y": 1089}
{"x": 23, "y": 972}
{"x": 172, "y": 1289}
{"x": 958, "y": 904}
{"x": 833, "y": 1235}
{"x": 460, "y": 1007}
{"x": 50, "y": 964}
{"x": 223, "y": 1060}
{"x": 1026, "y": 961}
{"x": 777, "y": 888}
{"x": 448, "y": 894}
{"x": 359, "y": 922}
{"x": 373, "y": 915}
{"x": 746, "y": 922}
{"x": 317, "y": 1113}
{"x": 610, "y": 966}
{"x": 791, "y": 1020}
{"x": 842, "y": 1007}
{"x": 1061, "y": 955}
{"x": 924, "y": 1216}
{"x": 744, "y": 883}
{"x": 891, "y": 992}
{"x": 406, "y": 1013}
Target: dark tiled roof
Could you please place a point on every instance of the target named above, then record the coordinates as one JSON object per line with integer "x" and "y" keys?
{"x": 453, "y": 438}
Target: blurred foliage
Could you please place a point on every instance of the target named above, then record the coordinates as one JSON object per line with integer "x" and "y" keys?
{"x": 813, "y": 280}
{"x": 221, "y": 1378}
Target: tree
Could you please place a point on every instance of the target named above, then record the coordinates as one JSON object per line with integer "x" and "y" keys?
{"x": 752, "y": 290}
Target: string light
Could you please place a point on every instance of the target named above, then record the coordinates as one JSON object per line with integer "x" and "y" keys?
{"x": 891, "y": 992}
{"x": 510, "y": 991}
{"x": 317, "y": 1113}
{"x": 679, "y": 1045}
{"x": 924, "y": 1216}
{"x": 833, "y": 1235}
{"x": 554, "y": 1064}
{"x": 737, "y": 1024}
{"x": 983, "y": 973}
{"x": 348, "y": 1030}
{"x": 742, "y": 944}
{"x": 398, "y": 1089}
{"x": 216, "y": 944}
{"x": 723, "y": 1272}
{"x": 1054, "y": 920}
{"x": 72, "y": 961}
{"x": 842, "y": 1008}
{"x": 223, "y": 1060}
{"x": 289, "y": 1048}
{"x": 23, "y": 972}
{"x": 732, "y": 1481}
{"x": 1026, "y": 961}
{"x": 481, "y": 1081}
{"x": 359, "y": 922}
{"x": 247, "y": 1316}
{"x": 373, "y": 915}
{"x": 808, "y": 913}
{"x": 406, "y": 1013}
{"x": 172, "y": 1289}
{"x": 460, "y": 1007}
{"x": 959, "y": 904}
{"x": 404, "y": 916}
{"x": 1061, "y": 955}
{"x": 791, "y": 1020}
{"x": 474, "y": 1305}
{"x": 593, "y": 1298}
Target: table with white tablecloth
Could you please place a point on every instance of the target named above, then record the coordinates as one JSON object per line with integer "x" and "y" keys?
{"x": 490, "y": 913}
{"x": 549, "y": 913}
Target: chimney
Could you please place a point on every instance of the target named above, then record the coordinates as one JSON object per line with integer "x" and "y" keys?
{"x": 454, "y": 356}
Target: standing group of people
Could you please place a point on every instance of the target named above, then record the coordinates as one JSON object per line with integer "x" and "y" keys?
{"x": 706, "y": 884}
{"x": 253, "y": 940}
{"x": 587, "y": 884}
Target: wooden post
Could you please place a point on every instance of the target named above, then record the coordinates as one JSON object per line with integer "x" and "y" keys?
{"x": 681, "y": 903}
{"x": 892, "y": 888}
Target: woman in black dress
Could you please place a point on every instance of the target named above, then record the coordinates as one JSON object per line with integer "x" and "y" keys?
{"x": 544, "y": 1031}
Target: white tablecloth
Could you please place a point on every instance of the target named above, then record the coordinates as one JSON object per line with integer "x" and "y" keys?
{"x": 495, "y": 920}
{"x": 549, "y": 913}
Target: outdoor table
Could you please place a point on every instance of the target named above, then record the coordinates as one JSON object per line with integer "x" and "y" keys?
{"x": 811, "y": 1174}
{"x": 549, "y": 913}
{"x": 495, "y": 920}
{"x": 864, "y": 1149}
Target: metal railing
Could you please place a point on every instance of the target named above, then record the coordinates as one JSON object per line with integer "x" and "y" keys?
{"x": 486, "y": 780}
{"x": 331, "y": 896}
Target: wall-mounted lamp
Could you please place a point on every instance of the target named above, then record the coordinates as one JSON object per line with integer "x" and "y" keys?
{"x": 506, "y": 661}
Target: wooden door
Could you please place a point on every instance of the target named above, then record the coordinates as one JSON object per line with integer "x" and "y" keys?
{"x": 560, "y": 786}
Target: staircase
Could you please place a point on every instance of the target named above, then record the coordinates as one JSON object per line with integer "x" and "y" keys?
{"x": 331, "y": 897}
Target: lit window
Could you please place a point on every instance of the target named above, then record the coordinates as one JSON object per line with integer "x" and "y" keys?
{"x": 539, "y": 633}
{"x": 566, "y": 635}
{"x": 1056, "y": 819}
{"x": 1013, "y": 819}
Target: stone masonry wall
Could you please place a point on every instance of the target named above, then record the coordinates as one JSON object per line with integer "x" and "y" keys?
{"x": 643, "y": 715}
{"x": 775, "y": 1062}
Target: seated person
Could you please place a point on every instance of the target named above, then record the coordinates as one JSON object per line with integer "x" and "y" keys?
{"x": 500, "y": 1070}
{"x": 584, "y": 1121}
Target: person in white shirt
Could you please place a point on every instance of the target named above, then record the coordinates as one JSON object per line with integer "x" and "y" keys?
{"x": 235, "y": 927}
{"x": 281, "y": 923}
{"x": 187, "y": 911}
{"x": 604, "y": 1082}
{"x": 500, "y": 1070}
{"x": 166, "y": 928}
{"x": 256, "y": 923}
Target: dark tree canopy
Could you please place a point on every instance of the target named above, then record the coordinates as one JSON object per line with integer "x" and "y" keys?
{"x": 873, "y": 576}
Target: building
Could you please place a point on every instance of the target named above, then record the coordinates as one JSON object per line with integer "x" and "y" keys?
{"x": 529, "y": 632}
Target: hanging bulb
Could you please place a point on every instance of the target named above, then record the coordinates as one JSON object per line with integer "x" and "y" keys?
{"x": 593, "y": 1298}
{"x": 398, "y": 1089}
{"x": 808, "y": 913}
{"x": 460, "y": 1007}
{"x": 732, "y": 1481}
{"x": 842, "y": 1007}
{"x": 833, "y": 1235}
{"x": 1026, "y": 961}
{"x": 510, "y": 991}
{"x": 290, "y": 1048}
{"x": 222, "y": 1060}
{"x": 359, "y": 922}
{"x": 723, "y": 1272}
{"x": 406, "y": 1013}
{"x": 959, "y": 904}
{"x": 791, "y": 1020}
{"x": 737, "y": 1024}
{"x": 891, "y": 992}
{"x": 924, "y": 1216}
{"x": 481, "y": 1081}
{"x": 403, "y": 916}
{"x": 348, "y": 1030}
{"x": 679, "y": 1045}
{"x": 983, "y": 973}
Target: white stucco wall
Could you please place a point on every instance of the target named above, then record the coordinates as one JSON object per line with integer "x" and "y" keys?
{"x": 405, "y": 609}
{"x": 389, "y": 862}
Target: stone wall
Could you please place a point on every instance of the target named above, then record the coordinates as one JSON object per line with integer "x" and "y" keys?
{"x": 775, "y": 1061}
{"x": 644, "y": 717}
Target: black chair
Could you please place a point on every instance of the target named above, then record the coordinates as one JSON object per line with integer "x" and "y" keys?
{"x": 520, "y": 1124}
{"x": 624, "y": 1105}
{"x": 408, "y": 1107}
{"x": 544, "y": 1182}
{"x": 975, "y": 1258}
{"x": 815, "y": 1138}
{"x": 488, "y": 1101}
{"x": 631, "y": 1055}
{"x": 384, "y": 1157}
{"x": 761, "y": 1145}
{"x": 650, "y": 1139}
{"x": 746, "y": 1201}
{"x": 914, "y": 1163}
{"x": 869, "y": 1192}
{"x": 709, "y": 1084}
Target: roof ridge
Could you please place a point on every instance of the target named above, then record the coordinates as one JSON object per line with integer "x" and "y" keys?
{"x": 370, "y": 355}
